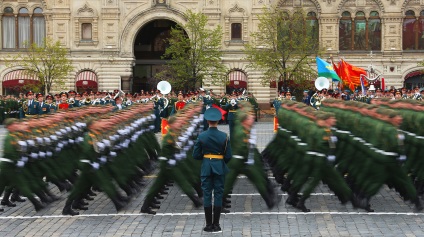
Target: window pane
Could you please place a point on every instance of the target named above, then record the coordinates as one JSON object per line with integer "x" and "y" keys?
{"x": 312, "y": 29}
{"x": 24, "y": 31}
{"x": 360, "y": 14}
{"x": 23, "y": 10}
{"x": 410, "y": 13}
{"x": 312, "y": 14}
{"x": 39, "y": 31}
{"x": 38, "y": 10}
{"x": 236, "y": 31}
{"x": 373, "y": 13}
{"x": 374, "y": 34}
{"x": 359, "y": 37}
{"x": 346, "y": 14}
{"x": 8, "y": 10}
{"x": 9, "y": 32}
{"x": 345, "y": 35}
{"x": 86, "y": 31}
{"x": 420, "y": 33}
{"x": 408, "y": 34}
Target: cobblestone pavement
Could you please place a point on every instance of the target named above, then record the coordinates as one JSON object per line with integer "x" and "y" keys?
{"x": 249, "y": 215}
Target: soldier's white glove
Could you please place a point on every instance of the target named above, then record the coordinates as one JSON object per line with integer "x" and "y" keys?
{"x": 172, "y": 162}
{"x": 250, "y": 162}
{"x": 49, "y": 153}
{"x": 20, "y": 164}
{"x": 95, "y": 165}
{"x": 402, "y": 158}
{"x": 34, "y": 155}
{"x": 103, "y": 159}
{"x": 112, "y": 154}
{"x": 24, "y": 159}
{"x": 41, "y": 154}
{"x": 31, "y": 142}
{"x": 331, "y": 158}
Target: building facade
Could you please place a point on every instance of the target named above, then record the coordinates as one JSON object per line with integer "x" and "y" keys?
{"x": 117, "y": 44}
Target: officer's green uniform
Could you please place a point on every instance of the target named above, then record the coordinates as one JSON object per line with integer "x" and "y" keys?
{"x": 213, "y": 148}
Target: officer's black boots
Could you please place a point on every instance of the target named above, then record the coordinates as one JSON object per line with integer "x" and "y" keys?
{"x": 67, "y": 210}
{"x": 216, "y": 217}
{"x": 146, "y": 209}
{"x": 208, "y": 217}
{"x": 5, "y": 201}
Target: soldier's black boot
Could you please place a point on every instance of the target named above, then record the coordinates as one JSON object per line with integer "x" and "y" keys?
{"x": 208, "y": 218}
{"x": 78, "y": 205}
{"x": 44, "y": 198}
{"x": 418, "y": 204}
{"x": 301, "y": 205}
{"x": 16, "y": 197}
{"x": 118, "y": 203}
{"x": 37, "y": 204}
{"x": 5, "y": 201}
{"x": 146, "y": 208}
{"x": 199, "y": 190}
{"x": 59, "y": 185}
{"x": 67, "y": 210}
{"x": 196, "y": 201}
{"x": 216, "y": 217}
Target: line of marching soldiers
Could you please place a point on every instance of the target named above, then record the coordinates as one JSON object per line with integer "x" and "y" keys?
{"x": 79, "y": 151}
{"x": 177, "y": 163}
{"x": 354, "y": 148}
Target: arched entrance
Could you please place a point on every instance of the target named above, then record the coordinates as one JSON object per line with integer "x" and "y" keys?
{"x": 414, "y": 79}
{"x": 149, "y": 47}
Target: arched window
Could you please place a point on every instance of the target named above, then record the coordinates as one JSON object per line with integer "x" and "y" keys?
{"x": 374, "y": 31}
{"x": 9, "y": 37}
{"x": 38, "y": 26}
{"x": 360, "y": 33}
{"x": 26, "y": 29}
{"x": 345, "y": 32}
{"x": 237, "y": 81}
{"x": 413, "y": 31}
{"x": 312, "y": 25}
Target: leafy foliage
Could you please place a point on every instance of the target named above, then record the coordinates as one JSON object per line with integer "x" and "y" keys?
{"x": 195, "y": 54}
{"x": 48, "y": 62}
{"x": 284, "y": 47}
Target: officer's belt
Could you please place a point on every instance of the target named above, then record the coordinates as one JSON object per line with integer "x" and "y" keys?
{"x": 233, "y": 111}
{"x": 30, "y": 115}
{"x": 213, "y": 156}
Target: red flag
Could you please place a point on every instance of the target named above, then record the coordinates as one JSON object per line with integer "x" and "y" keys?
{"x": 351, "y": 74}
{"x": 383, "y": 84}
{"x": 223, "y": 112}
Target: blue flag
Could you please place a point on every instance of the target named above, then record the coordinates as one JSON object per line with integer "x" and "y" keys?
{"x": 326, "y": 70}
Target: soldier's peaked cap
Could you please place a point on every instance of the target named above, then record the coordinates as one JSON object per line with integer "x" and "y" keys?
{"x": 213, "y": 114}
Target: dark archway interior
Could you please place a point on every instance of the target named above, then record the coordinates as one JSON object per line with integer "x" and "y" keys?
{"x": 149, "y": 46}
{"x": 413, "y": 81}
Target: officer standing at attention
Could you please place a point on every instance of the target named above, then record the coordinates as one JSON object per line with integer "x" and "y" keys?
{"x": 213, "y": 148}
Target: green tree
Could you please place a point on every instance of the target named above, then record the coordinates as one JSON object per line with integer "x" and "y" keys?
{"x": 48, "y": 62}
{"x": 194, "y": 54}
{"x": 284, "y": 47}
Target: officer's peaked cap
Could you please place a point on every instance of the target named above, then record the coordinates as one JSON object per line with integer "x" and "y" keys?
{"x": 213, "y": 114}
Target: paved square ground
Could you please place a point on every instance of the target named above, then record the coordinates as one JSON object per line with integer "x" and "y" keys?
{"x": 249, "y": 215}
